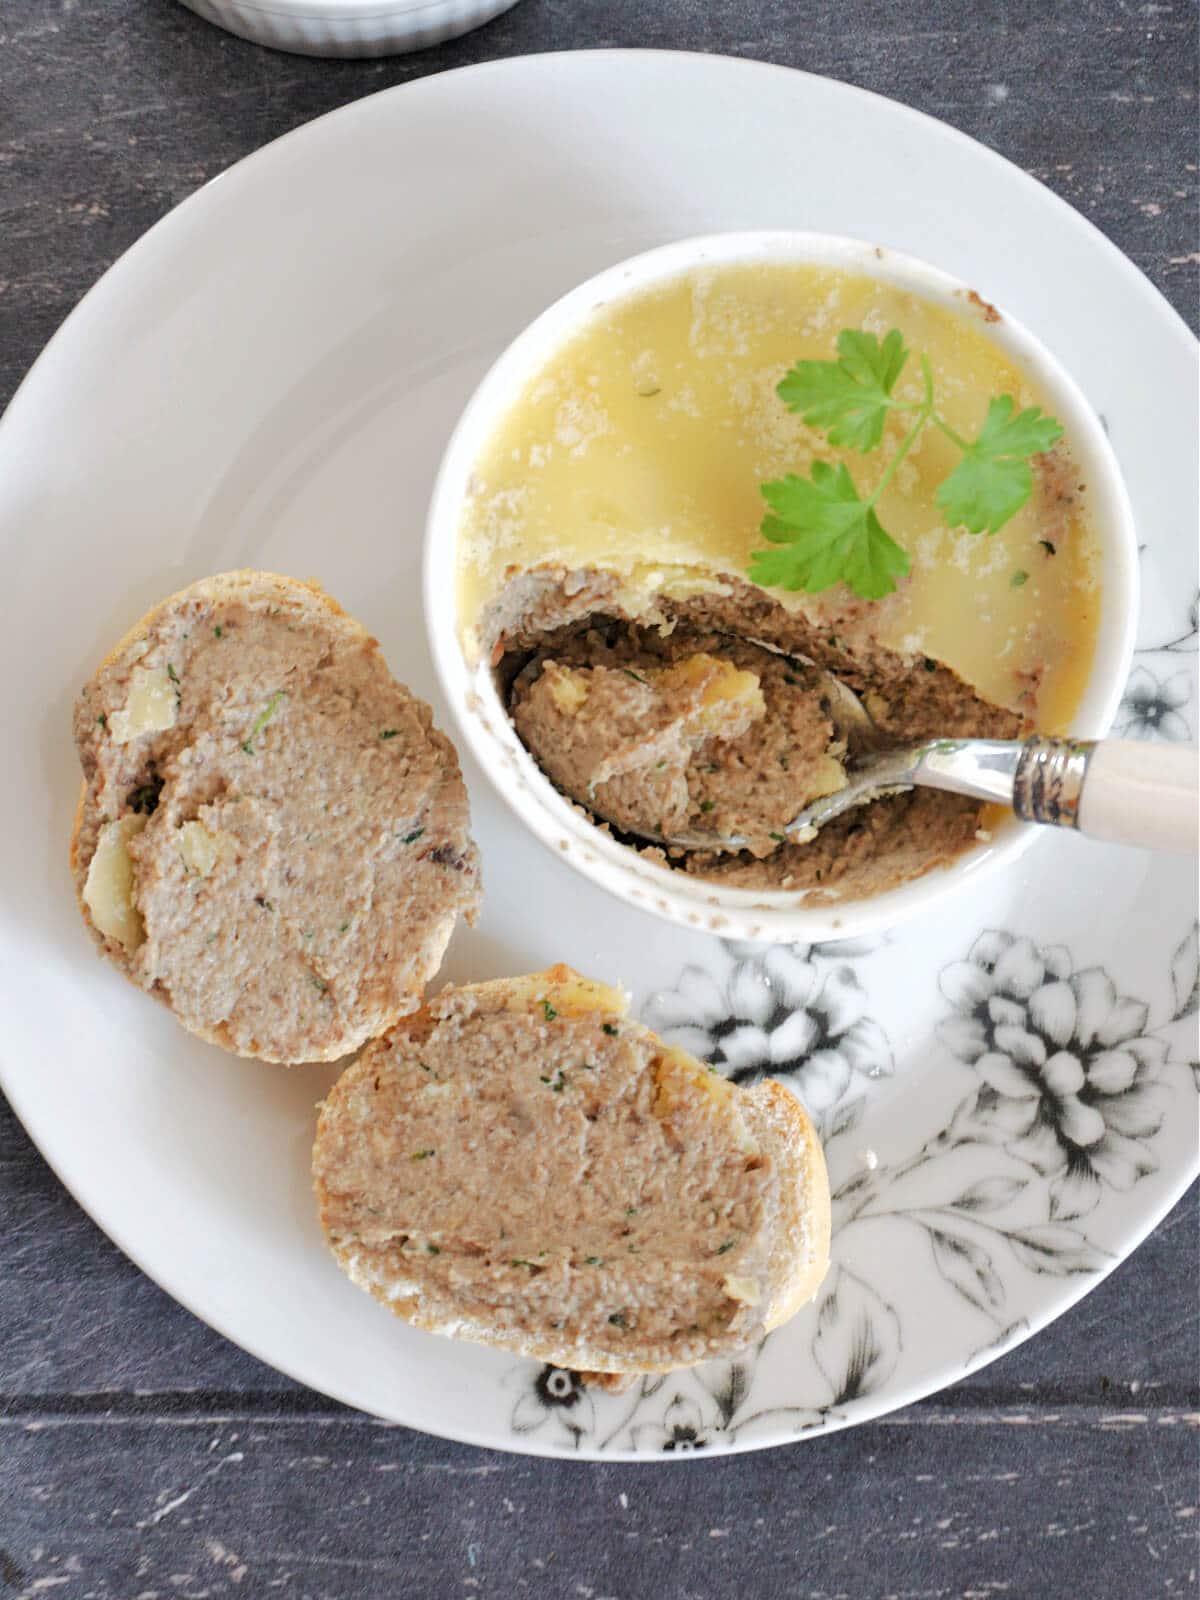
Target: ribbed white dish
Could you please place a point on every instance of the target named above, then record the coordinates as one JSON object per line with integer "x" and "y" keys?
{"x": 349, "y": 27}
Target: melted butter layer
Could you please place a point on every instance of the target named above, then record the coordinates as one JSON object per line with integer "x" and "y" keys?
{"x": 643, "y": 441}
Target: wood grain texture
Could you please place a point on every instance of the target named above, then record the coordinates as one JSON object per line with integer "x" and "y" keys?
{"x": 1007, "y": 1504}
{"x": 143, "y": 1456}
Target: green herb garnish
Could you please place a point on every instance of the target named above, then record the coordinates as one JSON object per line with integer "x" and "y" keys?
{"x": 422, "y": 1155}
{"x": 548, "y": 1011}
{"x": 218, "y": 631}
{"x": 434, "y": 1250}
{"x": 1019, "y": 579}
{"x": 557, "y": 1083}
{"x": 262, "y": 719}
{"x": 388, "y": 733}
{"x": 630, "y": 673}
{"x": 611, "y": 1029}
{"x": 617, "y": 1319}
{"x": 172, "y": 674}
{"x": 592, "y": 1261}
{"x": 102, "y": 719}
{"x": 411, "y": 838}
{"x": 822, "y": 531}
{"x": 728, "y": 1245}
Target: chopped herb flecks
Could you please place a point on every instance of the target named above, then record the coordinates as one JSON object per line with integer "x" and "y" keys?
{"x": 262, "y": 719}
{"x": 707, "y": 805}
{"x": 422, "y": 1155}
{"x": 611, "y": 1029}
{"x": 434, "y": 1250}
{"x": 218, "y": 631}
{"x": 102, "y": 720}
{"x": 728, "y": 1245}
{"x": 592, "y": 1261}
{"x": 636, "y": 676}
{"x": 411, "y": 838}
{"x": 617, "y": 1319}
{"x": 264, "y": 904}
{"x": 558, "y": 1082}
{"x": 388, "y": 733}
{"x": 1018, "y": 579}
{"x": 171, "y": 673}
{"x": 318, "y": 984}
{"x": 548, "y": 1011}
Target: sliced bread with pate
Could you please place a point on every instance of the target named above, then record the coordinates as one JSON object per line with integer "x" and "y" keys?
{"x": 522, "y": 1164}
{"x": 272, "y": 836}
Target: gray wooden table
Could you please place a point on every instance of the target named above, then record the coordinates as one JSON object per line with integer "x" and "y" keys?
{"x": 143, "y": 1456}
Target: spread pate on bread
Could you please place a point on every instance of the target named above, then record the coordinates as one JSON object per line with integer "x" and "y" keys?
{"x": 272, "y": 836}
{"x": 524, "y": 1165}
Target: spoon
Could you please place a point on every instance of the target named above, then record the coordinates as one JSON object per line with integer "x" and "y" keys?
{"x": 1123, "y": 791}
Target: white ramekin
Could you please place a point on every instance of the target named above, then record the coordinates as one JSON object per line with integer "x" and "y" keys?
{"x": 476, "y": 706}
{"x": 348, "y": 27}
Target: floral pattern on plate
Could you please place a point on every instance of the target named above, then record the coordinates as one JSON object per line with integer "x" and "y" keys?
{"x": 1062, "y": 1084}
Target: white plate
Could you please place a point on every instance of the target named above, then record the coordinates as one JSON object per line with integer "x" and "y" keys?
{"x": 268, "y": 379}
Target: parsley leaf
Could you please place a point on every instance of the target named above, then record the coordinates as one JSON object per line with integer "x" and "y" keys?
{"x": 823, "y": 531}
{"x": 993, "y": 480}
{"x": 824, "y": 534}
{"x": 849, "y": 398}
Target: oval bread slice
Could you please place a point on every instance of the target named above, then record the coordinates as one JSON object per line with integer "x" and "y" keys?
{"x": 272, "y": 836}
{"x": 523, "y": 1165}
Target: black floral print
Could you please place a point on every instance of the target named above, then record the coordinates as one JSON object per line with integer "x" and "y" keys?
{"x": 679, "y": 1430}
{"x": 784, "y": 1013}
{"x": 1068, "y": 1069}
{"x": 554, "y": 1400}
{"x": 1151, "y": 707}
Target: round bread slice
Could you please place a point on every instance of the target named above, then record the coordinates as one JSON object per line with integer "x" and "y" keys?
{"x": 523, "y": 1165}
{"x": 272, "y": 836}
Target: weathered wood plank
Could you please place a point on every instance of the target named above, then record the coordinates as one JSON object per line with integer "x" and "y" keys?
{"x": 1009, "y": 1504}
